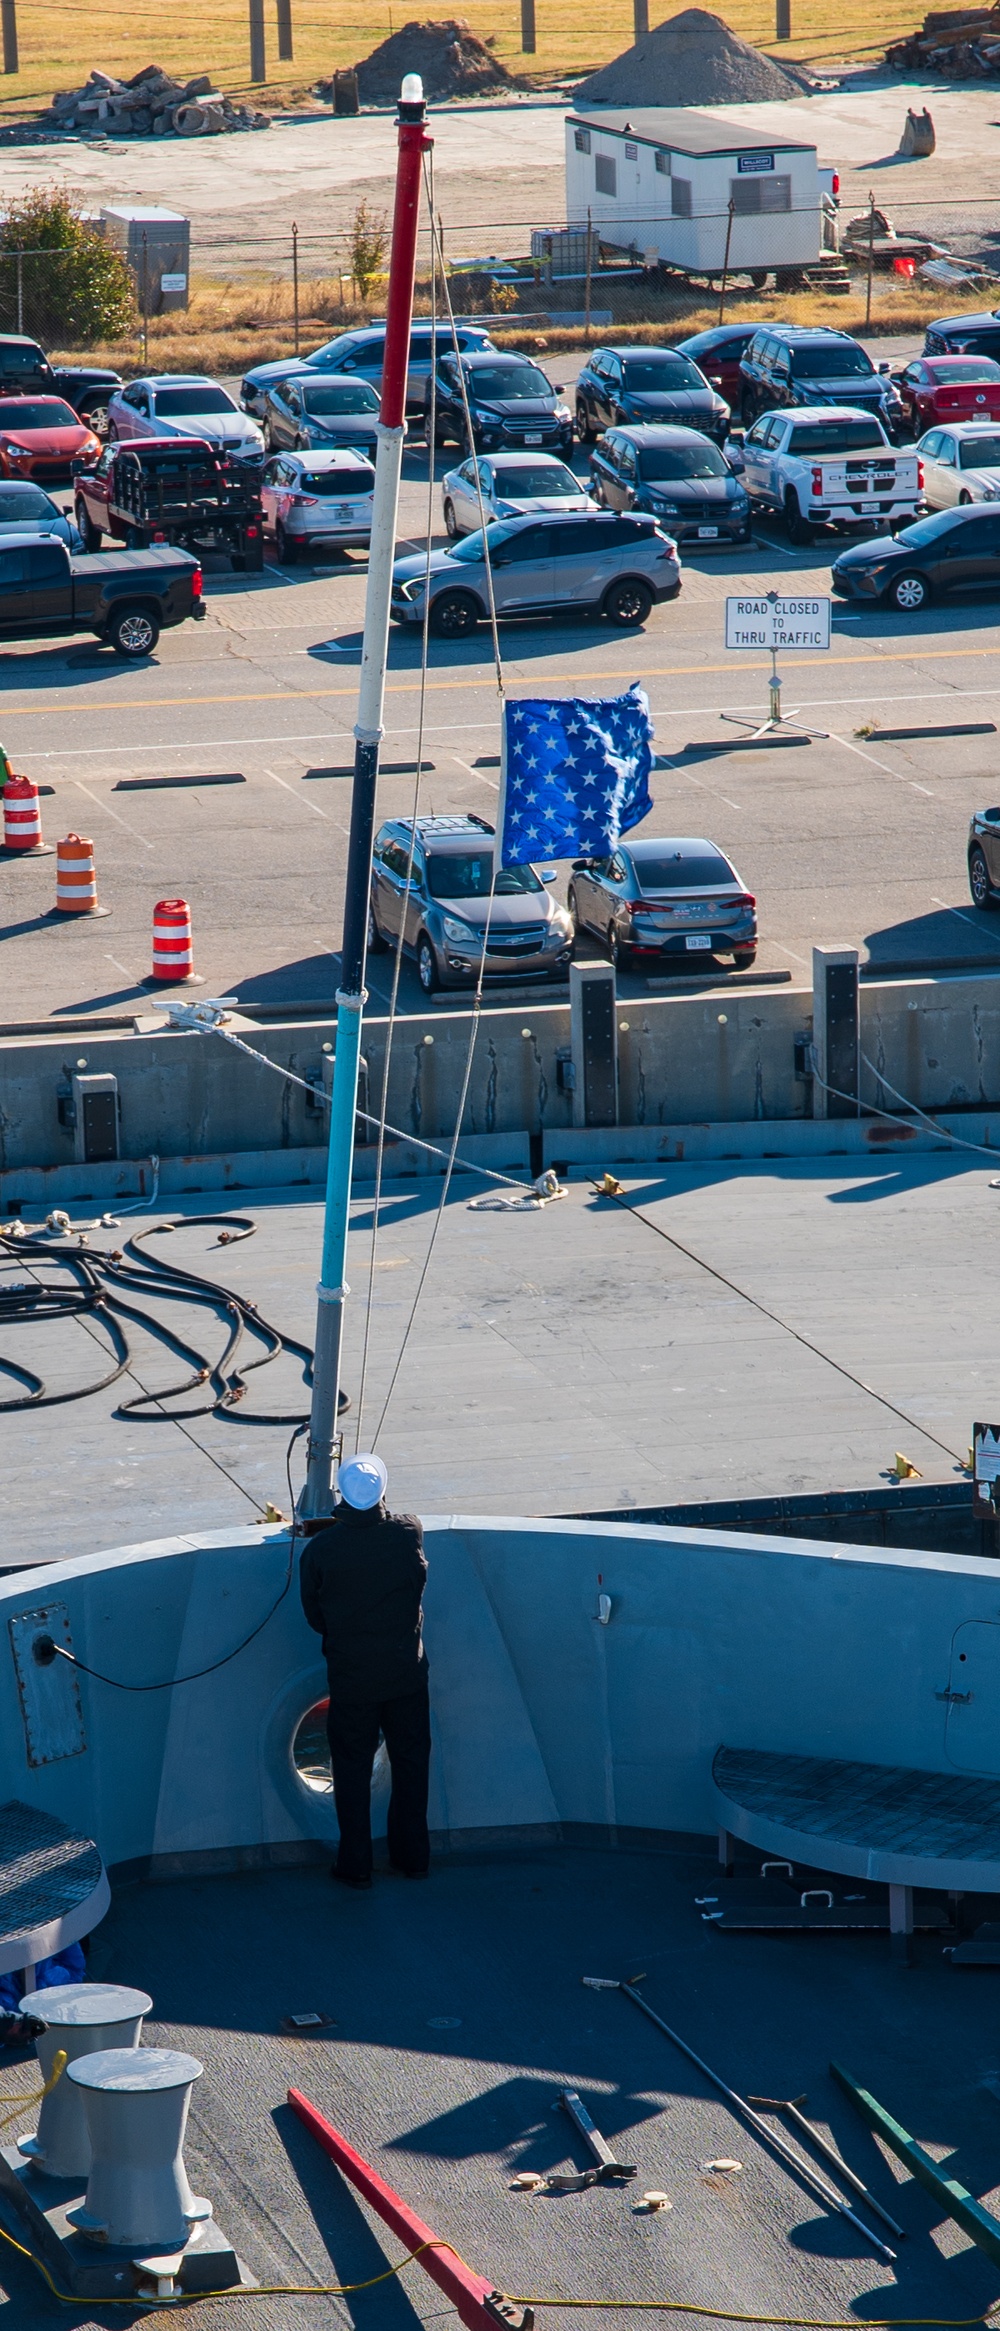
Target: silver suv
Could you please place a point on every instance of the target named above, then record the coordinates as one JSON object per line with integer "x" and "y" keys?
{"x": 603, "y": 562}
{"x": 453, "y": 898}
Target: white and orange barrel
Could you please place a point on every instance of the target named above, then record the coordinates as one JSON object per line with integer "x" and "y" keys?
{"x": 173, "y": 958}
{"x": 76, "y": 877}
{"x": 22, "y": 820}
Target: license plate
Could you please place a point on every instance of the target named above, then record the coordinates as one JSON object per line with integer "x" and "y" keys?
{"x": 344, "y": 513}
{"x": 532, "y": 436}
{"x": 708, "y": 533}
{"x": 869, "y": 509}
{"x": 698, "y": 939}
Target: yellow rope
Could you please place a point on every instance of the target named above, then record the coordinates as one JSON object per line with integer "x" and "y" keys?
{"x": 289, "y": 2290}
{"x": 795, "y": 2322}
{"x": 23, "y": 2104}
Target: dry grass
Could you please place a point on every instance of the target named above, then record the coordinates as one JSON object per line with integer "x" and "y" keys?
{"x": 59, "y": 43}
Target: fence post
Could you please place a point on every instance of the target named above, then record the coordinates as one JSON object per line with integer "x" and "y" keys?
{"x": 295, "y": 281}
{"x": 258, "y": 58}
{"x": 782, "y": 19}
{"x": 725, "y": 263}
{"x": 145, "y": 302}
{"x": 590, "y": 270}
{"x": 640, "y": 18}
{"x": 285, "y": 49}
{"x": 8, "y": 13}
{"x": 20, "y": 291}
{"x": 528, "y": 28}
{"x": 871, "y": 258}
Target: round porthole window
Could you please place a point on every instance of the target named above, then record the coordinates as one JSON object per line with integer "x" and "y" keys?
{"x": 311, "y": 1751}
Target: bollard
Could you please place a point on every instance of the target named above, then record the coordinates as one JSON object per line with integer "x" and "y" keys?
{"x": 85, "y": 2019}
{"x": 22, "y": 818}
{"x": 173, "y": 960}
{"x": 136, "y": 2102}
{"x": 76, "y": 878}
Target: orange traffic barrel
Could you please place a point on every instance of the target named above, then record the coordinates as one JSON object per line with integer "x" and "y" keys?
{"x": 76, "y": 878}
{"x": 173, "y": 959}
{"x": 22, "y": 821}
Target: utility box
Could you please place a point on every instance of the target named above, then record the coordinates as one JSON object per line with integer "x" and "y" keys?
{"x": 836, "y": 1032}
{"x": 662, "y": 179}
{"x": 593, "y": 1020}
{"x": 95, "y": 1112}
{"x": 157, "y": 246}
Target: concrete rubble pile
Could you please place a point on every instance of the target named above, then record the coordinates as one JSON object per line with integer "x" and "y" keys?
{"x": 962, "y": 44}
{"x": 150, "y": 105}
{"x": 451, "y": 59}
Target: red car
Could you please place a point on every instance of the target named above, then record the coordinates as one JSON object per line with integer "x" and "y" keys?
{"x": 41, "y": 437}
{"x": 949, "y": 388}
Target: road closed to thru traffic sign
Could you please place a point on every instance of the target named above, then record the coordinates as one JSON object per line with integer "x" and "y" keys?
{"x": 778, "y": 623}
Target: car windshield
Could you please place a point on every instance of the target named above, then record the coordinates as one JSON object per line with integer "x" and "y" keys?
{"x": 648, "y": 374}
{"x": 337, "y": 482}
{"x": 20, "y": 360}
{"x": 979, "y": 453}
{"x": 172, "y": 403}
{"x": 534, "y": 479}
{"x": 925, "y": 530}
{"x": 832, "y": 437}
{"x": 25, "y": 505}
{"x": 831, "y": 361}
{"x": 334, "y": 396}
{"x": 511, "y": 381}
{"x": 469, "y": 874}
{"x": 681, "y": 461}
{"x": 49, "y": 413}
{"x": 964, "y": 371}
{"x": 683, "y": 871}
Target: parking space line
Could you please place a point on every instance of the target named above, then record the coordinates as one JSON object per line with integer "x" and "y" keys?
{"x": 974, "y": 921}
{"x": 109, "y": 812}
{"x": 304, "y": 798}
{"x": 471, "y": 772}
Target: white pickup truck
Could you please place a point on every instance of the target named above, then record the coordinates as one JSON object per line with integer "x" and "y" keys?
{"x": 828, "y": 465}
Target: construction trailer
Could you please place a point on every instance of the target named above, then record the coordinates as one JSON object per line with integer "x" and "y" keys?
{"x": 659, "y": 181}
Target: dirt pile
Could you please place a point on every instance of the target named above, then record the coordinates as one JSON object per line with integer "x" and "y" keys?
{"x": 962, "y": 44}
{"x": 450, "y": 58}
{"x": 150, "y": 105}
{"x": 690, "y": 59}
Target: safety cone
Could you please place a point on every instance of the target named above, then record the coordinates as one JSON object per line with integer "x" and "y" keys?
{"x": 76, "y": 878}
{"x": 22, "y": 822}
{"x": 173, "y": 958}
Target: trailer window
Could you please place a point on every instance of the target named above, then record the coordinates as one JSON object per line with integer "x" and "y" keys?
{"x": 663, "y": 161}
{"x": 605, "y": 174}
{"x": 581, "y": 140}
{"x": 680, "y": 197}
{"x": 753, "y": 195}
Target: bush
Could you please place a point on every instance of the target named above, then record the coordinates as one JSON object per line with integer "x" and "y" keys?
{"x": 75, "y": 287}
{"x": 369, "y": 238}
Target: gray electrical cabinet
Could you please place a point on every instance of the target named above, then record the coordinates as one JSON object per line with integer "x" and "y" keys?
{"x": 157, "y": 246}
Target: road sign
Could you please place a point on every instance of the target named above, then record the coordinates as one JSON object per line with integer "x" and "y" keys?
{"x": 774, "y": 622}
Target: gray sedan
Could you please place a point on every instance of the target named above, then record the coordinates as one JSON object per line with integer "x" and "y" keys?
{"x": 302, "y": 415}
{"x": 514, "y": 485}
{"x": 678, "y": 897}
{"x": 596, "y": 563}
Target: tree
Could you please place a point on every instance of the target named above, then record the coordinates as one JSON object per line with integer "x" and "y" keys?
{"x": 70, "y": 287}
{"x": 369, "y": 240}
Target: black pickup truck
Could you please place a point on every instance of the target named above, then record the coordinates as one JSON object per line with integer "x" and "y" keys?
{"x": 25, "y": 371}
{"x": 127, "y": 600}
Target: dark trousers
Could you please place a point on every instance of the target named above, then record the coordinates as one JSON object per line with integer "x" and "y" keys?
{"x": 353, "y": 1728}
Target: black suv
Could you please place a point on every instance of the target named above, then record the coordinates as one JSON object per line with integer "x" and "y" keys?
{"x": 25, "y": 371}
{"x": 511, "y": 402}
{"x": 964, "y": 335}
{"x": 797, "y": 364}
{"x": 642, "y": 385}
{"x": 456, "y": 894}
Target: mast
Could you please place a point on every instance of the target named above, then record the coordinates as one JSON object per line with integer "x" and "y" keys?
{"x": 317, "y": 1499}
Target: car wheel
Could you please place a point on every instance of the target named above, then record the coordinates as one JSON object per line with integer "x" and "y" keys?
{"x": 628, "y": 602}
{"x": 440, "y": 433}
{"x": 910, "y": 593}
{"x": 454, "y": 615}
{"x": 376, "y": 944}
{"x": 598, "y": 494}
{"x": 96, "y": 417}
{"x": 573, "y": 911}
{"x": 747, "y": 410}
{"x": 112, "y": 438}
{"x": 93, "y": 536}
{"x": 964, "y": 499}
{"x": 619, "y": 957}
{"x": 133, "y": 633}
{"x": 584, "y": 431}
{"x": 799, "y": 529}
{"x": 287, "y": 550}
{"x": 427, "y": 966}
{"x": 979, "y": 882}
{"x": 450, "y": 521}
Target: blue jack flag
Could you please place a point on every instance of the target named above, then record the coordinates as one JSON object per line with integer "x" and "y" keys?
{"x": 576, "y": 775}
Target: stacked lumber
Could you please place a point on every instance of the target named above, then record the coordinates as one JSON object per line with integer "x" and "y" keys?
{"x": 150, "y": 105}
{"x": 963, "y": 44}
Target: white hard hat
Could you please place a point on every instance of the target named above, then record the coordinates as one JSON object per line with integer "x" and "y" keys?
{"x": 362, "y": 1482}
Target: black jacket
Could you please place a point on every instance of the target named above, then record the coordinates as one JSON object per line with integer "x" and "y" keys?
{"x": 361, "y": 1581}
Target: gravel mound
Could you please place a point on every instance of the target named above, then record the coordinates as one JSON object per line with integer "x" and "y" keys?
{"x": 451, "y": 59}
{"x": 691, "y": 59}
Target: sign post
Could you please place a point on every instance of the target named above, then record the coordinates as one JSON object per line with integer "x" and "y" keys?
{"x": 772, "y": 622}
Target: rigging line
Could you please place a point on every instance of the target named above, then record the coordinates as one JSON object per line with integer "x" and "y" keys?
{"x": 777, "y": 1321}
{"x": 428, "y": 173}
{"x": 477, "y": 1001}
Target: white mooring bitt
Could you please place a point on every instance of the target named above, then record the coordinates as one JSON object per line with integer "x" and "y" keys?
{"x": 85, "y": 2019}
{"x": 136, "y": 2101}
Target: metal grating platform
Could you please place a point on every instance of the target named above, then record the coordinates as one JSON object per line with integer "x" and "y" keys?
{"x": 885, "y": 1822}
{"x": 53, "y": 1887}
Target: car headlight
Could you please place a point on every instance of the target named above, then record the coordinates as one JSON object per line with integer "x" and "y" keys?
{"x": 412, "y": 590}
{"x": 453, "y": 929}
{"x": 562, "y": 413}
{"x": 17, "y": 452}
{"x": 990, "y": 493}
{"x": 666, "y": 509}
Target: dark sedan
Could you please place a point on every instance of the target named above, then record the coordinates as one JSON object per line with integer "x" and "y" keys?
{"x": 679, "y": 476}
{"x": 646, "y": 384}
{"x": 309, "y": 416}
{"x": 511, "y": 402}
{"x": 673, "y": 897}
{"x": 955, "y": 550}
{"x": 717, "y": 354}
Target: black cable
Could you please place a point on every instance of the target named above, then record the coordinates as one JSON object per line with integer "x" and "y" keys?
{"x": 170, "y": 1682}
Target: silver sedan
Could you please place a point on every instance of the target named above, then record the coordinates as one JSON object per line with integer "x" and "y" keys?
{"x": 514, "y": 485}
{"x": 961, "y": 464}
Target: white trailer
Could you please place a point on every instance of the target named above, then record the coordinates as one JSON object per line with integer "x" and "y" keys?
{"x": 661, "y": 181}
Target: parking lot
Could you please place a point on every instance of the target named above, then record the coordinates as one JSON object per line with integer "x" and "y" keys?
{"x": 857, "y": 837}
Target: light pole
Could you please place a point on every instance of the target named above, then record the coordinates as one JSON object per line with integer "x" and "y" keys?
{"x": 317, "y": 1500}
